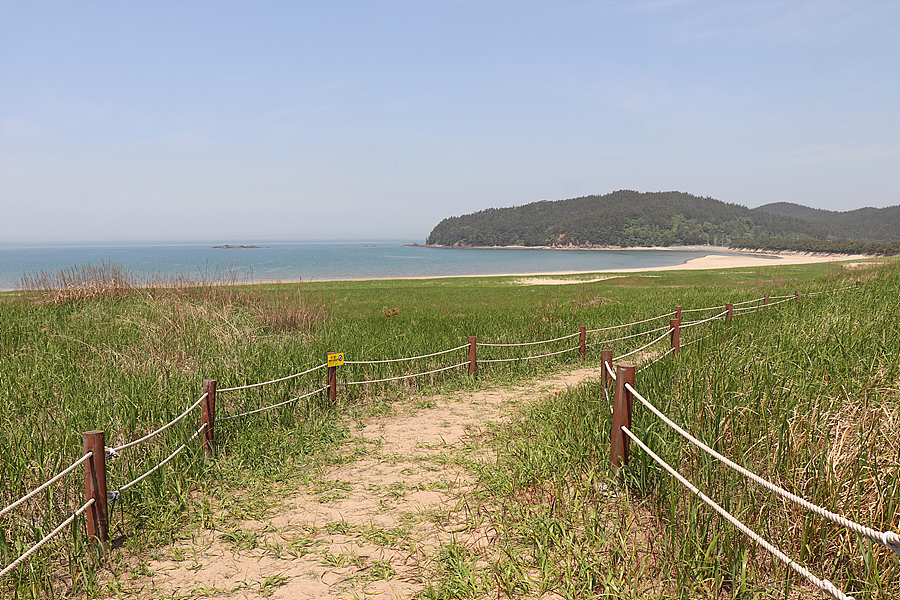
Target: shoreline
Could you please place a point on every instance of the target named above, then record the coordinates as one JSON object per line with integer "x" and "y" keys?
{"x": 733, "y": 260}
{"x": 717, "y": 258}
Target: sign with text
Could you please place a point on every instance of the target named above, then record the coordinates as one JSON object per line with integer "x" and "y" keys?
{"x": 335, "y": 359}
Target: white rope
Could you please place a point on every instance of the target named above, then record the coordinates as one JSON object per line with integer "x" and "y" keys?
{"x": 167, "y": 459}
{"x": 46, "y": 539}
{"x": 789, "y": 297}
{"x": 118, "y": 449}
{"x": 253, "y": 385}
{"x": 886, "y": 538}
{"x": 628, "y": 337}
{"x": 390, "y": 360}
{"x": 499, "y": 360}
{"x": 634, "y": 323}
{"x": 644, "y": 347}
{"x": 529, "y": 343}
{"x": 405, "y": 376}
{"x": 47, "y": 484}
{"x": 657, "y": 359}
{"x": 609, "y": 370}
{"x": 744, "y": 309}
{"x": 823, "y": 584}
{"x": 687, "y": 310}
{"x": 749, "y": 301}
{"x": 692, "y": 323}
{"x": 270, "y": 407}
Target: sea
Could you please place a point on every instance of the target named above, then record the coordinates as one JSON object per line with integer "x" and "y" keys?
{"x": 316, "y": 261}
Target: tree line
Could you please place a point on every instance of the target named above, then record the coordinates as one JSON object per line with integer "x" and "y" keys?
{"x": 821, "y": 246}
{"x": 626, "y": 219}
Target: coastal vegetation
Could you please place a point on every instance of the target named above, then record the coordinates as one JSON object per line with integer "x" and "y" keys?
{"x": 628, "y": 219}
{"x": 820, "y": 246}
{"x": 127, "y": 358}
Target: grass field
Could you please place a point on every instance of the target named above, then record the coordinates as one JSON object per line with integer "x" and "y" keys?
{"x": 782, "y": 389}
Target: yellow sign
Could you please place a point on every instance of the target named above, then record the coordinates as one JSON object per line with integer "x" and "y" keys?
{"x": 336, "y": 359}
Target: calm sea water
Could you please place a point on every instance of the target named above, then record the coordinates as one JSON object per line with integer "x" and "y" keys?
{"x": 283, "y": 261}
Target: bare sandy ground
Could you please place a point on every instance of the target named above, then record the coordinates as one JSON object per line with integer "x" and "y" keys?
{"x": 722, "y": 261}
{"x": 370, "y": 528}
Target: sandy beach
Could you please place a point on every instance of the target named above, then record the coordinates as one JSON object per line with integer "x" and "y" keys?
{"x": 734, "y": 259}
{"x": 754, "y": 259}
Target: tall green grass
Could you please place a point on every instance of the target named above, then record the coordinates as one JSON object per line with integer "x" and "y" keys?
{"x": 127, "y": 362}
{"x": 806, "y": 394}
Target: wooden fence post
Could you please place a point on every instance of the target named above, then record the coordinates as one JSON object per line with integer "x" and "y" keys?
{"x": 729, "y": 312}
{"x": 473, "y": 365}
{"x": 675, "y": 335}
{"x": 619, "y": 441}
{"x": 606, "y": 358}
{"x": 678, "y": 313}
{"x": 208, "y": 415}
{"x": 331, "y": 382}
{"x": 582, "y": 338}
{"x": 766, "y": 301}
{"x": 95, "y": 487}
{"x": 798, "y": 294}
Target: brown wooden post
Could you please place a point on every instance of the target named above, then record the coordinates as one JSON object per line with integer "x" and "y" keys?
{"x": 331, "y": 382}
{"x": 678, "y": 313}
{"x": 95, "y": 487}
{"x": 619, "y": 441}
{"x": 582, "y": 338}
{"x": 208, "y": 415}
{"x": 675, "y": 335}
{"x": 798, "y": 294}
{"x": 606, "y": 358}
{"x": 473, "y": 365}
{"x": 729, "y": 312}
{"x": 766, "y": 301}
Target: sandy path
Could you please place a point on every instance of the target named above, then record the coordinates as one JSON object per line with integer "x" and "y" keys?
{"x": 370, "y": 528}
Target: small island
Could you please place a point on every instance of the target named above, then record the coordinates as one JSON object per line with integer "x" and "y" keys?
{"x": 234, "y": 247}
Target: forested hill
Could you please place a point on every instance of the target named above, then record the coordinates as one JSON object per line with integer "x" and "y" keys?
{"x": 627, "y": 218}
{"x": 876, "y": 224}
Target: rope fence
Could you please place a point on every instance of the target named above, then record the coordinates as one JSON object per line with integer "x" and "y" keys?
{"x": 621, "y": 405}
{"x": 271, "y": 406}
{"x": 128, "y": 485}
{"x": 889, "y": 539}
{"x": 43, "y": 487}
{"x": 96, "y": 452}
{"x": 394, "y": 360}
{"x": 644, "y": 347}
{"x": 559, "y": 339}
{"x": 656, "y": 318}
{"x": 823, "y": 584}
{"x": 11, "y": 566}
{"x": 119, "y": 449}
{"x": 255, "y": 385}
{"x": 401, "y": 377}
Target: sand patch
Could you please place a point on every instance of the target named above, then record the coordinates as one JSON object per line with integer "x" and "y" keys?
{"x": 370, "y": 528}
{"x": 559, "y": 281}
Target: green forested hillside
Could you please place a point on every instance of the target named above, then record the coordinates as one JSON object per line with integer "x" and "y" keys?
{"x": 875, "y": 224}
{"x": 628, "y": 218}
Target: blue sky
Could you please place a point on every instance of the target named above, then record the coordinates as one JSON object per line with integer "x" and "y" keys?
{"x": 263, "y": 120}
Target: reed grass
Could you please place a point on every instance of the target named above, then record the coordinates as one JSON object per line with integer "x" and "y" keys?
{"x": 128, "y": 359}
{"x": 807, "y": 396}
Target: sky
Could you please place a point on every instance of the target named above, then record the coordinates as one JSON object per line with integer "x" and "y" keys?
{"x": 245, "y": 121}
